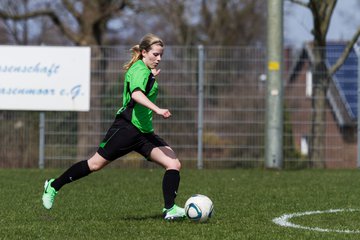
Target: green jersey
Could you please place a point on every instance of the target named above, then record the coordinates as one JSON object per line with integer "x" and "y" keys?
{"x": 139, "y": 77}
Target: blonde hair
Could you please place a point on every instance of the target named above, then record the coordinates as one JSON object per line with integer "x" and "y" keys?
{"x": 145, "y": 44}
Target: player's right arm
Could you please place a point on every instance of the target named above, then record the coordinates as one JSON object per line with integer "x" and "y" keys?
{"x": 140, "y": 98}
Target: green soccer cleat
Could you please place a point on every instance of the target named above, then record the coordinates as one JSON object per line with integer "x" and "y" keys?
{"x": 174, "y": 213}
{"x": 49, "y": 194}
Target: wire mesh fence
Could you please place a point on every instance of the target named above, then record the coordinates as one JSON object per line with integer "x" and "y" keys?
{"x": 217, "y": 99}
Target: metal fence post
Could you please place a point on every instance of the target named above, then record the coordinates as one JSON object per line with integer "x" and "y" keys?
{"x": 274, "y": 106}
{"x": 42, "y": 140}
{"x": 200, "y": 163}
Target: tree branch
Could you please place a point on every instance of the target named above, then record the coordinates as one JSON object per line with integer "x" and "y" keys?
{"x": 301, "y": 3}
{"x": 345, "y": 54}
{"x": 316, "y": 31}
{"x": 28, "y": 15}
{"x": 113, "y": 8}
{"x": 43, "y": 13}
{"x": 326, "y": 14}
{"x": 70, "y": 7}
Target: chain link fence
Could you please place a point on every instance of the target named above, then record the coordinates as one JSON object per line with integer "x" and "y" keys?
{"x": 217, "y": 99}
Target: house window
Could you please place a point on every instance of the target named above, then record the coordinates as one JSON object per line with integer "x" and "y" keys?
{"x": 308, "y": 90}
{"x": 304, "y": 145}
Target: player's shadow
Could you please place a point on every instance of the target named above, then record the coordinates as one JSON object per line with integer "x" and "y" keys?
{"x": 142, "y": 218}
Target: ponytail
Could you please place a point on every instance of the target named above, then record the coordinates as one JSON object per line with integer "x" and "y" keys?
{"x": 135, "y": 55}
{"x": 146, "y": 42}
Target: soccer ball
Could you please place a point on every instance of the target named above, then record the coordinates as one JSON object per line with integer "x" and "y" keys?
{"x": 199, "y": 208}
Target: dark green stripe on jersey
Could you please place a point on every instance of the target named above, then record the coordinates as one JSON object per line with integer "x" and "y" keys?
{"x": 139, "y": 77}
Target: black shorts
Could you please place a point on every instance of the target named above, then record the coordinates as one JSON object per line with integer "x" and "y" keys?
{"x": 123, "y": 137}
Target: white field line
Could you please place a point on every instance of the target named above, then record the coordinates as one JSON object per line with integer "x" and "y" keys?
{"x": 284, "y": 220}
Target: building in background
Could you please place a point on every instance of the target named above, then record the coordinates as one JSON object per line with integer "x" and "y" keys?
{"x": 341, "y": 111}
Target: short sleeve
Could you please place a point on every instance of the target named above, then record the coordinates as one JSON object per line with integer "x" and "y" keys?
{"x": 139, "y": 79}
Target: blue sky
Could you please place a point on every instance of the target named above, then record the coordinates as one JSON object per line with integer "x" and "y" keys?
{"x": 298, "y": 22}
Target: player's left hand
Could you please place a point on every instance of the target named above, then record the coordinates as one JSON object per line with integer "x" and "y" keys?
{"x": 165, "y": 113}
{"x": 155, "y": 71}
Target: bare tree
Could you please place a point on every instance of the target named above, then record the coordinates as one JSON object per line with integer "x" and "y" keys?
{"x": 17, "y": 32}
{"x": 233, "y": 22}
{"x": 322, "y": 11}
{"x": 33, "y": 31}
{"x": 215, "y": 22}
{"x": 84, "y": 23}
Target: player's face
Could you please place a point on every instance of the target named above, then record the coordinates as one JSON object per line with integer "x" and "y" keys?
{"x": 152, "y": 58}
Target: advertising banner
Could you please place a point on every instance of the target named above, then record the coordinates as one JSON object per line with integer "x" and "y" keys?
{"x": 43, "y": 78}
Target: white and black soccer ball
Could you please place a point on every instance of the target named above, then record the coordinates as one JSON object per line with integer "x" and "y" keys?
{"x": 199, "y": 208}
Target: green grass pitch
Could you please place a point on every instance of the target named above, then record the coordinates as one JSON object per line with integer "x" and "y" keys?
{"x": 127, "y": 203}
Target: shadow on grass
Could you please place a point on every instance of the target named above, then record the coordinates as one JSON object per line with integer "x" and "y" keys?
{"x": 141, "y": 218}
{"x": 47, "y": 217}
{"x": 148, "y": 217}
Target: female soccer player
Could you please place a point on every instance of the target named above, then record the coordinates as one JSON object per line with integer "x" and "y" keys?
{"x": 133, "y": 130}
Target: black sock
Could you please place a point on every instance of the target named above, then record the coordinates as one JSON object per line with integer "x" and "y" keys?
{"x": 75, "y": 172}
{"x": 170, "y": 186}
